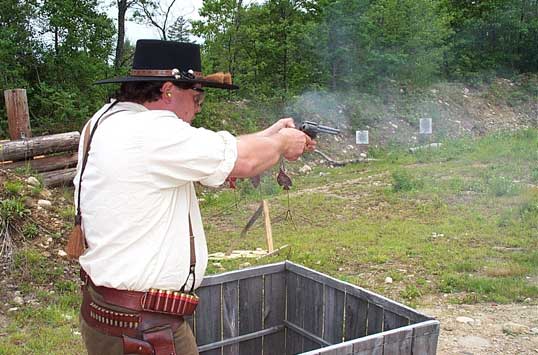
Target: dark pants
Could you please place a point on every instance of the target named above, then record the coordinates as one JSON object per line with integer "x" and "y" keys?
{"x": 98, "y": 343}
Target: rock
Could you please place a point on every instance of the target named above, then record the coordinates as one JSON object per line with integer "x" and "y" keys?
{"x": 46, "y": 194}
{"x": 32, "y": 181}
{"x": 244, "y": 265}
{"x": 18, "y": 300}
{"x": 13, "y": 309}
{"x": 217, "y": 265}
{"x": 388, "y": 280}
{"x": 512, "y": 328}
{"x": 29, "y": 202}
{"x": 466, "y": 320}
{"x": 46, "y": 204}
{"x": 534, "y": 331}
{"x": 305, "y": 169}
{"x": 363, "y": 155}
{"x": 472, "y": 341}
{"x": 62, "y": 253}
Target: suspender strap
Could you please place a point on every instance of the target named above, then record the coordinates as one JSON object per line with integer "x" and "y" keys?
{"x": 87, "y": 142}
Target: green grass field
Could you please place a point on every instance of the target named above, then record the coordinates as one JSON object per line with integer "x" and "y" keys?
{"x": 459, "y": 223}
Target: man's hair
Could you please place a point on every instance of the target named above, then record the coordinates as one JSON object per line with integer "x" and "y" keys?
{"x": 143, "y": 91}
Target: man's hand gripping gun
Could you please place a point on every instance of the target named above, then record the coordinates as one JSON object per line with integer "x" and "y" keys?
{"x": 312, "y": 129}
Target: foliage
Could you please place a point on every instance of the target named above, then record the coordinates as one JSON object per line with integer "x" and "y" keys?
{"x": 12, "y": 208}
{"x": 405, "y": 181}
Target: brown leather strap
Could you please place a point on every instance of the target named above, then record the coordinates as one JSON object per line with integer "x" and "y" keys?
{"x": 193, "y": 250}
{"x": 159, "y": 72}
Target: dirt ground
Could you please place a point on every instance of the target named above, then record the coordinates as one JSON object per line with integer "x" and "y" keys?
{"x": 486, "y": 328}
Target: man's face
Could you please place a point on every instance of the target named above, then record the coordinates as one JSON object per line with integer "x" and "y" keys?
{"x": 187, "y": 102}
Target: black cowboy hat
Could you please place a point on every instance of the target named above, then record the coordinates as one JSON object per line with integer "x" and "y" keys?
{"x": 156, "y": 60}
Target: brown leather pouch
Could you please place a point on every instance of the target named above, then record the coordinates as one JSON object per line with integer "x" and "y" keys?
{"x": 136, "y": 346}
{"x": 162, "y": 340}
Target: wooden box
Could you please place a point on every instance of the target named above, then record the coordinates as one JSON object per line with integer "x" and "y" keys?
{"x": 285, "y": 308}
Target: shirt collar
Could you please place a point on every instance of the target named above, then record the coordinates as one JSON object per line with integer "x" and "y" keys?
{"x": 130, "y": 106}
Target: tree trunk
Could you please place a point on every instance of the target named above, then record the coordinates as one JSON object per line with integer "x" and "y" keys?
{"x": 18, "y": 117}
{"x": 25, "y": 149}
{"x": 49, "y": 163}
{"x": 122, "y": 10}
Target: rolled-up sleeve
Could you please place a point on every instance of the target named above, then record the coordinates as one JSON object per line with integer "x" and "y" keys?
{"x": 181, "y": 153}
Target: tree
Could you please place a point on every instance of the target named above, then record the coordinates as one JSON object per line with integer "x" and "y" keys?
{"x": 179, "y": 31}
{"x": 123, "y": 6}
{"x": 154, "y": 14}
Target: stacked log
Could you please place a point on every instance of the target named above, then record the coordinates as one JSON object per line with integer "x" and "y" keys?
{"x": 54, "y": 156}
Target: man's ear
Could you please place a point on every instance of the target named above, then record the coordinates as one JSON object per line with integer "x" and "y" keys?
{"x": 166, "y": 91}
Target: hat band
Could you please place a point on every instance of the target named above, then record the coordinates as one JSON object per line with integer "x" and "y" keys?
{"x": 160, "y": 72}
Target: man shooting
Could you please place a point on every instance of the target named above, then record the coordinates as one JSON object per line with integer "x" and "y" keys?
{"x": 136, "y": 203}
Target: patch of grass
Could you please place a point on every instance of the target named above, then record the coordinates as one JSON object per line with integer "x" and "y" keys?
{"x": 405, "y": 181}
{"x": 31, "y": 266}
{"x": 30, "y": 230}
{"x": 67, "y": 213}
{"x": 509, "y": 269}
{"x": 12, "y": 208}
{"x": 502, "y": 186}
{"x": 13, "y": 187}
{"x": 411, "y": 292}
{"x": 495, "y": 289}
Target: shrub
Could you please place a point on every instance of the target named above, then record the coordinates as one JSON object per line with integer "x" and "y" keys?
{"x": 404, "y": 181}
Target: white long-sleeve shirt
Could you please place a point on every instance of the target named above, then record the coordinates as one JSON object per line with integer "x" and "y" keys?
{"x": 137, "y": 193}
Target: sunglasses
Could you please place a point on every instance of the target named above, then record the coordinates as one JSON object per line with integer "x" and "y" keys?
{"x": 200, "y": 96}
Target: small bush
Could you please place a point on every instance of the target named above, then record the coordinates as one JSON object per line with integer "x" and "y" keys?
{"x": 411, "y": 292}
{"x": 404, "y": 181}
{"x": 502, "y": 186}
{"x": 30, "y": 230}
{"x": 12, "y": 208}
{"x": 13, "y": 188}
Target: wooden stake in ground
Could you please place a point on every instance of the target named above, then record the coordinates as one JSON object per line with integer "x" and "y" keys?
{"x": 18, "y": 118}
{"x": 268, "y": 229}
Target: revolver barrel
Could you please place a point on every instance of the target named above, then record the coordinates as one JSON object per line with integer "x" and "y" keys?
{"x": 313, "y": 128}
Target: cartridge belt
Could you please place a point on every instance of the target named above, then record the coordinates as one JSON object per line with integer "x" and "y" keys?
{"x": 161, "y": 301}
{"x": 144, "y": 333}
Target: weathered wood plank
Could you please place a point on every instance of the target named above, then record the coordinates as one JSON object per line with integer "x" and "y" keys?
{"x": 274, "y": 313}
{"x": 243, "y": 274}
{"x": 398, "y": 341}
{"x": 359, "y": 292}
{"x": 371, "y": 345}
{"x": 31, "y": 147}
{"x": 392, "y": 321}
{"x": 230, "y": 315}
{"x": 250, "y": 310}
{"x": 334, "y": 315}
{"x": 375, "y": 319}
{"x": 313, "y": 313}
{"x": 425, "y": 338}
{"x": 356, "y": 317}
{"x": 294, "y": 341}
{"x": 305, "y": 334}
{"x": 208, "y": 314}
{"x": 240, "y": 338}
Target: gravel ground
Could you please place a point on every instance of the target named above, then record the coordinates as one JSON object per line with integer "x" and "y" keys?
{"x": 486, "y": 328}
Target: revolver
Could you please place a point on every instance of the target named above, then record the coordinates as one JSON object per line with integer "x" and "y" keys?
{"x": 313, "y": 128}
